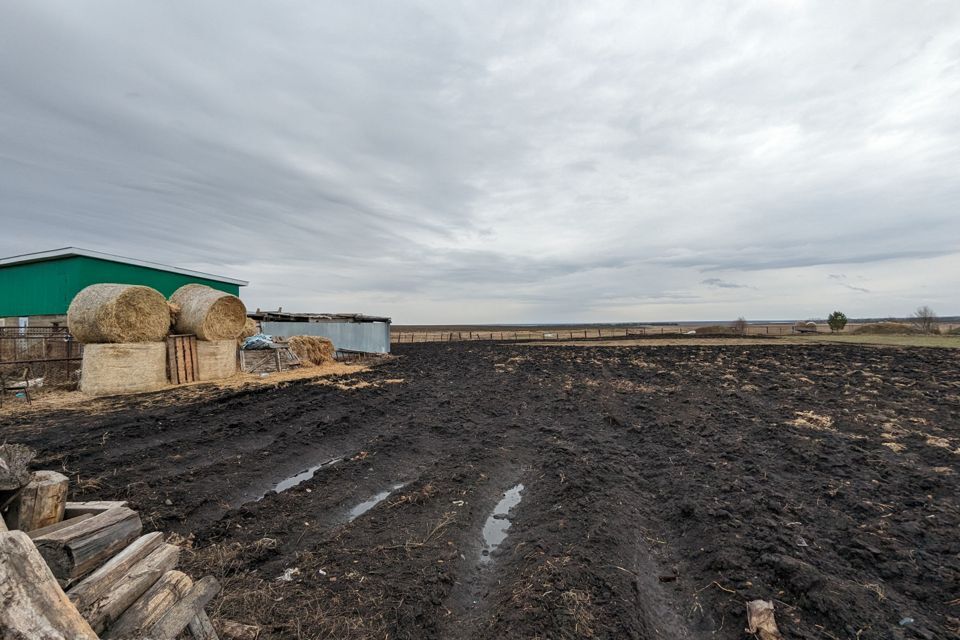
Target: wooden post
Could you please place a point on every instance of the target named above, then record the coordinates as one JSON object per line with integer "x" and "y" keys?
{"x": 40, "y": 503}
{"x": 201, "y": 628}
{"x": 34, "y": 605}
{"x": 63, "y": 524}
{"x": 131, "y": 586}
{"x": 179, "y": 616}
{"x": 94, "y": 586}
{"x": 144, "y": 613}
{"x": 76, "y": 551}
{"x": 74, "y": 509}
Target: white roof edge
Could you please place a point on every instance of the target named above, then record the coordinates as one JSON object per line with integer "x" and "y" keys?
{"x": 75, "y": 251}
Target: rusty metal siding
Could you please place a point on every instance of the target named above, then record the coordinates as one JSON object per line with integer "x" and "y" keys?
{"x": 368, "y": 337}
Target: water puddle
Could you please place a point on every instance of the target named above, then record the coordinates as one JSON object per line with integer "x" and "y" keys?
{"x": 303, "y": 476}
{"x": 495, "y": 528}
{"x": 366, "y": 505}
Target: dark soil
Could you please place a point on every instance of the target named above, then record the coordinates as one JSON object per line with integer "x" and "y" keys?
{"x": 664, "y": 487}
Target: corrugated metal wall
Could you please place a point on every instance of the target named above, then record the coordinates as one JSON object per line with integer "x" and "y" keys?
{"x": 369, "y": 337}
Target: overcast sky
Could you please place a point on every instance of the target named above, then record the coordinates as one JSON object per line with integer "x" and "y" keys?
{"x": 513, "y": 162}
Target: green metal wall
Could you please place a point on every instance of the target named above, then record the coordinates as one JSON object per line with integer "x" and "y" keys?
{"x": 47, "y": 287}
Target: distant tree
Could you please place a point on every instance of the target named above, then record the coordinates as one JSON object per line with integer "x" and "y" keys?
{"x": 740, "y": 325}
{"x": 925, "y": 319}
{"x": 837, "y": 321}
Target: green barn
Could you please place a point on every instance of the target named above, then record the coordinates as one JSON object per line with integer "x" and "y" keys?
{"x": 36, "y": 288}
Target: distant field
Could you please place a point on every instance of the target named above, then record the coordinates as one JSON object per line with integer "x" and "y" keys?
{"x": 900, "y": 341}
{"x": 456, "y": 333}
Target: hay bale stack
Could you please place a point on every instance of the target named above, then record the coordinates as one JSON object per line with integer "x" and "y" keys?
{"x": 118, "y": 313}
{"x": 250, "y": 328}
{"x": 113, "y": 369}
{"x": 312, "y": 350}
{"x": 216, "y": 359}
{"x": 208, "y": 313}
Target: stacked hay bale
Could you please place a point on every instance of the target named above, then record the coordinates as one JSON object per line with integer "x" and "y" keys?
{"x": 122, "y": 327}
{"x": 217, "y": 319}
{"x": 311, "y": 350}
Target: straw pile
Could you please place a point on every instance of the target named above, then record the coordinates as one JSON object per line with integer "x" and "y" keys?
{"x": 207, "y": 313}
{"x": 111, "y": 313}
{"x": 311, "y": 350}
{"x": 250, "y": 328}
{"x": 112, "y": 369}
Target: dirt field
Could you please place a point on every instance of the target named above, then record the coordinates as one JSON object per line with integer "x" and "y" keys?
{"x": 662, "y": 488}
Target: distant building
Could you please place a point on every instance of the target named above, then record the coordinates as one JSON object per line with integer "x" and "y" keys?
{"x": 36, "y": 288}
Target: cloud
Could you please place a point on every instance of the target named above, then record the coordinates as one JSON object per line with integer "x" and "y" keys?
{"x": 523, "y": 162}
{"x": 722, "y": 284}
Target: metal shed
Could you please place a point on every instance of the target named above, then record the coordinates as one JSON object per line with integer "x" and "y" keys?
{"x": 348, "y": 331}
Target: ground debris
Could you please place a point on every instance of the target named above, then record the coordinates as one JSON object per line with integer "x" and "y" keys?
{"x": 760, "y": 620}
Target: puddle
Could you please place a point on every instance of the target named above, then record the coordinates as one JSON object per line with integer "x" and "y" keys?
{"x": 299, "y": 478}
{"x": 495, "y": 528}
{"x": 366, "y": 505}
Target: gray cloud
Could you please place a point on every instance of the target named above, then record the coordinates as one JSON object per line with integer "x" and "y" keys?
{"x": 722, "y": 284}
{"x": 496, "y": 161}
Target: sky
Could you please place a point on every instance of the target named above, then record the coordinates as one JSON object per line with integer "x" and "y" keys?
{"x": 453, "y": 162}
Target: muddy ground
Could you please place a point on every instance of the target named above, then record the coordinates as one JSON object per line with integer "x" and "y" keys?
{"x": 663, "y": 487}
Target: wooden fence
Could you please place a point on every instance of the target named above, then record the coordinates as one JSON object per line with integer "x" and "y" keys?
{"x": 401, "y": 337}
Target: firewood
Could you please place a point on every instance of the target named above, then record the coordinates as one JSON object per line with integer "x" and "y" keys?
{"x": 14, "y": 459}
{"x": 79, "y": 549}
{"x": 144, "y": 613}
{"x": 94, "y": 507}
{"x": 63, "y": 524}
{"x": 40, "y": 502}
{"x": 141, "y": 576}
{"x": 34, "y": 605}
{"x": 236, "y": 631}
{"x": 201, "y": 628}
{"x": 169, "y": 626}
{"x": 94, "y": 586}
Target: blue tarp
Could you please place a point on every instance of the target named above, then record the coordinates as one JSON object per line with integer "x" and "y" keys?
{"x": 259, "y": 341}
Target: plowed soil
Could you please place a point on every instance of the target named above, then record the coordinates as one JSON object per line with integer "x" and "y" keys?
{"x": 663, "y": 488}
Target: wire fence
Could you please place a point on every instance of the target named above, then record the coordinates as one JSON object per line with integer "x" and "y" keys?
{"x": 34, "y": 353}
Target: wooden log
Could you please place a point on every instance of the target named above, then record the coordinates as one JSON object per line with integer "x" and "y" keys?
{"x": 76, "y": 551}
{"x": 236, "y": 631}
{"x": 102, "y": 612}
{"x": 34, "y": 605}
{"x": 175, "y": 620}
{"x": 201, "y": 628}
{"x": 14, "y": 460}
{"x": 147, "y": 610}
{"x": 94, "y": 586}
{"x": 63, "y": 524}
{"x": 40, "y": 503}
{"x": 73, "y": 509}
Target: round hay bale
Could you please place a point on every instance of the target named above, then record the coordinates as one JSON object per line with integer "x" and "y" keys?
{"x": 250, "y": 328}
{"x": 311, "y": 350}
{"x": 208, "y": 313}
{"x": 216, "y": 359}
{"x": 113, "y": 369}
{"x": 118, "y": 313}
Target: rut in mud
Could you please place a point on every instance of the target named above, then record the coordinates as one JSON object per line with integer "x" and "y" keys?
{"x": 662, "y": 488}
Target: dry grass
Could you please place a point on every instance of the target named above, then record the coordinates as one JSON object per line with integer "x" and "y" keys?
{"x": 75, "y": 400}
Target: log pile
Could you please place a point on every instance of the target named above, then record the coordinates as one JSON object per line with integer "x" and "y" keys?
{"x": 85, "y": 570}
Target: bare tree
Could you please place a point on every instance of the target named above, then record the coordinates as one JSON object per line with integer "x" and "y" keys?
{"x": 740, "y": 325}
{"x": 925, "y": 319}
